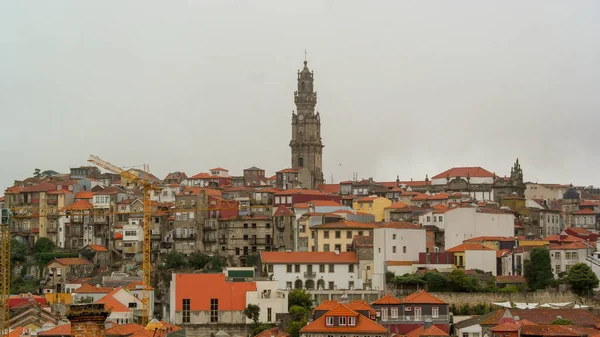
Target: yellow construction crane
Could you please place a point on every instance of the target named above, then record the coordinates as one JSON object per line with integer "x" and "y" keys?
{"x": 5, "y": 273}
{"x": 147, "y": 186}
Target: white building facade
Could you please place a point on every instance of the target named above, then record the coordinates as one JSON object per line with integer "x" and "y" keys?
{"x": 463, "y": 223}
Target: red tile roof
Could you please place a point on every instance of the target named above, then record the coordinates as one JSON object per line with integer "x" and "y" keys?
{"x": 98, "y": 248}
{"x": 283, "y": 211}
{"x": 79, "y": 205}
{"x": 59, "y": 192}
{"x": 397, "y": 205}
{"x": 467, "y": 246}
{"x": 203, "y": 175}
{"x": 87, "y": 288}
{"x": 43, "y": 187}
{"x": 324, "y": 203}
{"x": 268, "y": 190}
{"x": 431, "y": 331}
{"x": 218, "y": 169}
{"x": 288, "y": 170}
{"x": 111, "y": 303}
{"x": 84, "y": 195}
{"x": 565, "y": 238}
{"x": 464, "y": 172}
{"x": 273, "y": 332}
{"x": 363, "y": 325}
{"x": 356, "y": 305}
{"x": 502, "y": 252}
{"x": 568, "y": 246}
{"x": 388, "y": 299}
{"x": 231, "y": 295}
{"x": 580, "y": 317}
{"x": 505, "y": 327}
{"x": 70, "y": 261}
{"x": 422, "y": 297}
{"x": 61, "y": 330}
{"x": 197, "y": 190}
{"x": 585, "y": 211}
{"x": 137, "y": 285}
{"x": 329, "y": 188}
{"x": 308, "y": 257}
{"x": 16, "y": 332}
{"x": 345, "y": 224}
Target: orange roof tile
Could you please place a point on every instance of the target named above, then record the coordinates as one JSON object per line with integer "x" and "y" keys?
{"x": 467, "y": 246}
{"x": 203, "y": 175}
{"x": 288, "y": 170}
{"x": 422, "y": 297}
{"x": 329, "y": 188}
{"x": 301, "y": 205}
{"x": 363, "y": 325}
{"x": 268, "y": 190}
{"x": 308, "y": 257}
{"x": 490, "y": 238}
{"x": 69, "y": 261}
{"x": 283, "y": 211}
{"x": 388, "y": 299}
{"x": 16, "y": 332}
{"x": 61, "y": 330}
{"x": 502, "y": 252}
{"x": 218, "y": 169}
{"x": 111, "y": 303}
{"x": 197, "y": 190}
{"x": 585, "y": 211}
{"x": 273, "y": 332}
{"x": 79, "y": 205}
{"x": 431, "y": 331}
{"x": 343, "y": 224}
{"x": 98, "y": 248}
{"x": 231, "y": 295}
{"x": 87, "y": 288}
{"x": 565, "y": 238}
{"x": 397, "y": 205}
{"x": 355, "y": 305}
{"x": 324, "y": 203}
{"x": 464, "y": 172}
{"x": 84, "y": 195}
{"x": 368, "y": 199}
{"x": 568, "y": 246}
{"x": 59, "y": 192}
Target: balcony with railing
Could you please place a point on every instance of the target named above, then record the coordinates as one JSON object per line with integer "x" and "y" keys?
{"x": 180, "y": 235}
{"x": 310, "y": 274}
{"x": 210, "y": 238}
{"x": 210, "y": 224}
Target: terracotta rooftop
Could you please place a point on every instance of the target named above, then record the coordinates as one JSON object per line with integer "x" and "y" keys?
{"x": 283, "y": 211}
{"x": 328, "y": 305}
{"x": 300, "y": 191}
{"x": 87, "y": 288}
{"x": 79, "y": 205}
{"x": 273, "y": 332}
{"x": 111, "y": 303}
{"x": 463, "y": 172}
{"x": 204, "y": 175}
{"x": 400, "y": 225}
{"x": 363, "y": 325}
{"x": 585, "y": 211}
{"x": 397, "y": 205}
{"x": 231, "y": 295}
{"x": 490, "y": 238}
{"x": 422, "y": 297}
{"x": 124, "y": 329}
{"x": 388, "y": 299}
{"x": 467, "y": 246}
{"x": 308, "y": 257}
{"x": 61, "y": 330}
{"x": 69, "y": 261}
{"x": 329, "y": 188}
{"x": 84, "y": 195}
{"x": 98, "y": 248}
{"x": 431, "y": 331}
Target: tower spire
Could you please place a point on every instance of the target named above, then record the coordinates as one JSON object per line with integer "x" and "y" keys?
{"x": 305, "y": 52}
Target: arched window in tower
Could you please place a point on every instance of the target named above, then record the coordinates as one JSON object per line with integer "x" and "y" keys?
{"x": 300, "y": 162}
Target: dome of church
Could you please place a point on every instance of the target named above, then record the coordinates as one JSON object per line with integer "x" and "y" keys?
{"x": 571, "y": 193}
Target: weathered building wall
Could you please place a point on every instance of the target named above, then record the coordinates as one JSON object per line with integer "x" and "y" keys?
{"x": 540, "y": 297}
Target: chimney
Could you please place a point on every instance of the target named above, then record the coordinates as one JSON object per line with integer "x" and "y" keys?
{"x": 428, "y": 323}
{"x": 87, "y": 320}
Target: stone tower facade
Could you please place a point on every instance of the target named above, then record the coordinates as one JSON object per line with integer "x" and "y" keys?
{"x": 306, "y": 144}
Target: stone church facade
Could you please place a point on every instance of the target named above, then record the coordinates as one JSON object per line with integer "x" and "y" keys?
{"x": 306, "y": 143}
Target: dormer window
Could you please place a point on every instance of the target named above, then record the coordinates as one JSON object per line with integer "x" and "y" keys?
{"x": 351, "y": 321}
{"x": 329, "y": 321}
{"x": 342, "y": 320}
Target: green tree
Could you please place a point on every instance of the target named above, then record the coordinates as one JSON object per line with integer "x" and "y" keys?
{"x": 18, "y": 252}
{"x": 295, "y": 326}
{"x": 297, "y": 313}
{"x": 43, "y": 245}
{"x": 258, "y": 328}
{"x": 252, "y": 260}
{"x": 463, "y": 283}
{"x": 389, "y": 277}
{"x": 435, "y": 281}
{"x": 198, "y": 260}
{"x": 175, "y": 260}
{"x": 36, "y": 173}
{"x": 216, "y": 265}
{"x": 301, "y": 298}
{"x": 562, "y": 321}
{"x": 252, "y": 311}
{"x": 582, "y": 279}
{"x": 408, "y": 279}
{"x": 49, "y": 173}
{"x": 538, "y": 270}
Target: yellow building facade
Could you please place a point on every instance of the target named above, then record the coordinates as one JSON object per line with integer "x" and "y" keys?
{"x": 372, "y": 205}
{"x": 338, "y": 236}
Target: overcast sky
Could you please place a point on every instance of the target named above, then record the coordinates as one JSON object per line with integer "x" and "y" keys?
{"x": 405, "y": 88}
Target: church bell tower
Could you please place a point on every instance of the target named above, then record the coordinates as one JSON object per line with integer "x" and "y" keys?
{"x": 306, "y": 144}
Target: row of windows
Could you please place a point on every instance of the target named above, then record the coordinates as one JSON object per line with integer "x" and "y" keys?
{"x": 435, "y": 218}
{"x": 309, "y": 268}
{"x": 186, "y": 306}
{"x": 338, "y": 234}
{"x": 435, "y": 313}
{"x": 342, "y": 321}
{"x": 568, "y": 255}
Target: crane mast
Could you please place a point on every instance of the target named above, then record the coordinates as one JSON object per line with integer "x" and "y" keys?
{"x": 5, "y": 274}
{"x": 147, "y": 188}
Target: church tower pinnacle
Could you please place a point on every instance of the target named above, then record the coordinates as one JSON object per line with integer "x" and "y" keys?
{"x": 306, "y": 143}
